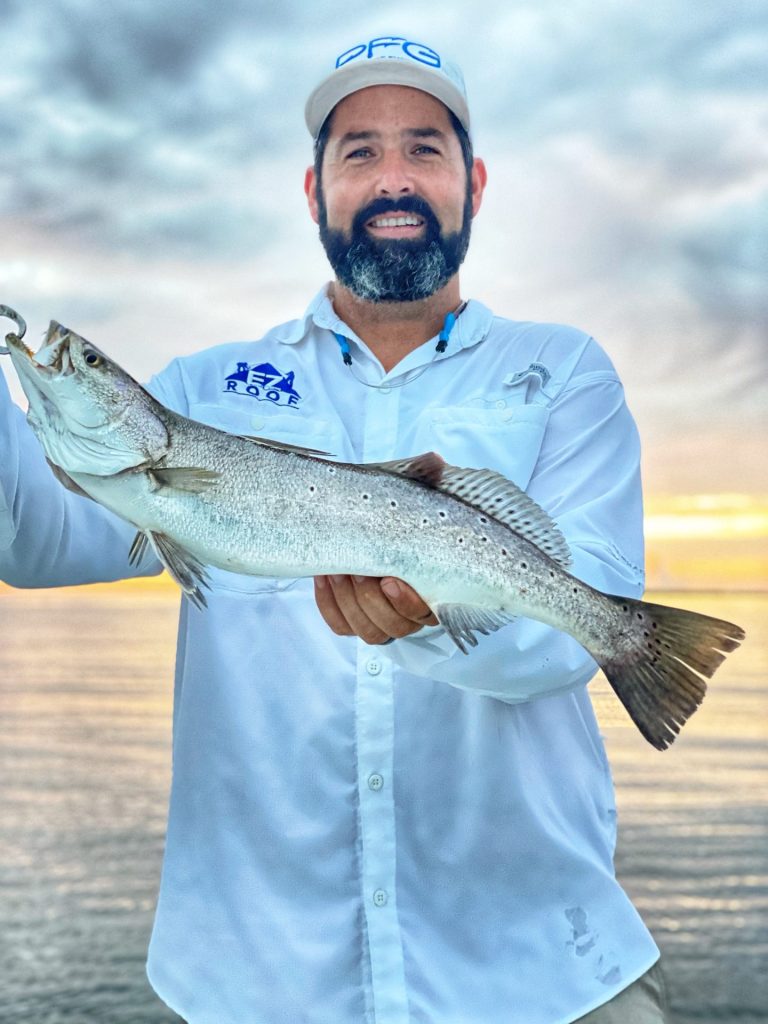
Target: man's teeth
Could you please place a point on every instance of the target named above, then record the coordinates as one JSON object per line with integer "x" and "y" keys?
{"x": 396, "y": 222}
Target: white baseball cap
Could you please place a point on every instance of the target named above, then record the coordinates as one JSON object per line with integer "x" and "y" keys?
{"x": 388, "y": 60}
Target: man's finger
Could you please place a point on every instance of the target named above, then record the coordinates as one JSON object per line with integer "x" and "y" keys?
{"x": 406, "y": 602}
{"x": 329, "y": 609}
{"x": 379, "y": 609}
{"x": 357, "y": 617}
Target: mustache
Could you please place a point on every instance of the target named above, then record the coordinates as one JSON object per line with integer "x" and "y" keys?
{"x": 408, "y": 204}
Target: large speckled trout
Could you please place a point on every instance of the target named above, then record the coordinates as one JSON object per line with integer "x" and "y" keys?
{"x": 476, "y": 547}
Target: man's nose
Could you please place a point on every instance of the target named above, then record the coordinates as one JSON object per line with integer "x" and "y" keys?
{"x": 394, "y": 178}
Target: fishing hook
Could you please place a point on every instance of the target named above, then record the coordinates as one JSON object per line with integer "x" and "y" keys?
{"x": 20, "y": 323}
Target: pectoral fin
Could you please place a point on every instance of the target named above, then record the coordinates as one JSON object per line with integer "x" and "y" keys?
{"x": 192, "y": 479}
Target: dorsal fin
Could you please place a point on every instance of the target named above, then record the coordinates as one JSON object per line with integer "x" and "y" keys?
{"x": 488, "y": 492}
{"x": 498, "y": 497}
{"x": 427, "y": 468}
{"x": 283, "y": 446}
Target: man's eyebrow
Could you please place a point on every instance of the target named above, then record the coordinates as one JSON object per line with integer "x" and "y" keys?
{"x": 425, "y": 133}
{"x": 416, "y": 133}
{"x": 356, "y": 137}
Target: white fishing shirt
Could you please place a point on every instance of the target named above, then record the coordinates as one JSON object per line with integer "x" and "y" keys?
{"x": 382, "y": 835}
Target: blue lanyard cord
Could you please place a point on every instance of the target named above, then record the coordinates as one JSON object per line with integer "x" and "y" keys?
{"x": 442, "y": 344}
{"x": 445, "y": 334}
{"x": 344, "y": 346}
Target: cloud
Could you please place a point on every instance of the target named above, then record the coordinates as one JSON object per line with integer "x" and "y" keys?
{"x": 727, "y": 263}
{"x": 156, "y": 149}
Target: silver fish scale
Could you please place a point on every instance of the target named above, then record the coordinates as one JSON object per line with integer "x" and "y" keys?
{"x": 277, "y": 513}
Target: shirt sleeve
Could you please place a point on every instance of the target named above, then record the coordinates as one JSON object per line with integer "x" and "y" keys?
{"x": 587, "y": 477}
{"x": 49, "y": 536}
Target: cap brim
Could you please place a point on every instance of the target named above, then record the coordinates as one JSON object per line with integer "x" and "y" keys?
{"x": 344, "y": 81}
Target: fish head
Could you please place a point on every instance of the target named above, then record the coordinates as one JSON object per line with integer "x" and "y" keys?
{"x": 88, "y": 413}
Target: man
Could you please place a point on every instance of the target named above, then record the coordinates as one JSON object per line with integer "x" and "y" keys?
{"x": 366, "y": 825}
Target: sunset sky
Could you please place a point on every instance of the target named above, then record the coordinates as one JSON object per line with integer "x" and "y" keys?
{"x": 153, "y": 155}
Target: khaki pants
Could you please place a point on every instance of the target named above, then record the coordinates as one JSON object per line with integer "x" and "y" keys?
{"x": 643, "y": 1002}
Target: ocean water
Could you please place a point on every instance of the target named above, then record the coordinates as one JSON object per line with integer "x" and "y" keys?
{"x": 85, "y": 708}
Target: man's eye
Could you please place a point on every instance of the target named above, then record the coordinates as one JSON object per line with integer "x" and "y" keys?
{"x": 364, "y": 151}
{"x": 426, "y": 149}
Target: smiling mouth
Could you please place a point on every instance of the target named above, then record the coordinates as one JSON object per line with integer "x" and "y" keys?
{"x": 406, "y": 222}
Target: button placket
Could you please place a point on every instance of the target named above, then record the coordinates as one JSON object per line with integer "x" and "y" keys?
{"x": 375, "y": 739}
{"x": 375, "y": 736}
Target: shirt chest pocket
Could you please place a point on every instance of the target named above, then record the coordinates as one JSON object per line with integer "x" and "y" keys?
{"x": 506, "y": 440}
{"x": 288, "y": 427}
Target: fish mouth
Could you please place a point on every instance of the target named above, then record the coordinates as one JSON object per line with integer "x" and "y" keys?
{"x": 53, "y": 358}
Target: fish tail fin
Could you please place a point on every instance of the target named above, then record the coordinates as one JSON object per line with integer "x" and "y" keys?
{"x": 661, "y": 678}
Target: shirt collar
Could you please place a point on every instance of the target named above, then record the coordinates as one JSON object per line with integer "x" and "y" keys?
{"x": 472, "y": 326}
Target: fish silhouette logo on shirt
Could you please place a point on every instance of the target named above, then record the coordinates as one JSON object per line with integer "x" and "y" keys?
{"x": 265, "y": 383}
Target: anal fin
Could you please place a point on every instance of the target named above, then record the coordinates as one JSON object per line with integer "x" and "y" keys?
{"x": 462, "y": 621}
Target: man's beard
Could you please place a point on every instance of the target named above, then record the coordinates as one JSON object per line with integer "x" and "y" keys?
{"x": 394, "y": 269}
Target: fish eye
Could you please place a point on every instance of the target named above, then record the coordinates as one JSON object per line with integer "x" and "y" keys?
{"x": 92, "y": 358}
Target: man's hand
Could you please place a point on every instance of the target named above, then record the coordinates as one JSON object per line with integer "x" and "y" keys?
{"x": 375, "y": 609}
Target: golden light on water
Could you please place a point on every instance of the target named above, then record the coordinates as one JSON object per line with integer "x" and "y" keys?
{"x": 707, "y": 541}
{"x": 706, "y": 515}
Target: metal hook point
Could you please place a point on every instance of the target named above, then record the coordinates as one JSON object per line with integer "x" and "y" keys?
{"x": 20, "y": 324}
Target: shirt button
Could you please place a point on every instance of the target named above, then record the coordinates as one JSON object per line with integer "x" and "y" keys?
{"x": 384, "y": 390}
{"x": 380, "y": 897}
{"x": 375, "y": 781}
{"x": 373, "y": 667}
{"x": 501, "y": 404}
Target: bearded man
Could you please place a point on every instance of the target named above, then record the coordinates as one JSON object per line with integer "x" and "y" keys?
{"x": 366, "y": 824}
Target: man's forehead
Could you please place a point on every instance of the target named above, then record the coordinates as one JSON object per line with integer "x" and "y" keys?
{"x": 389, "y": 108}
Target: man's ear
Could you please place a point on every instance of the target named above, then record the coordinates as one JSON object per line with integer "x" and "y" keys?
{"x": 310, "y": 191}
{"x": 479, "y": 181}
